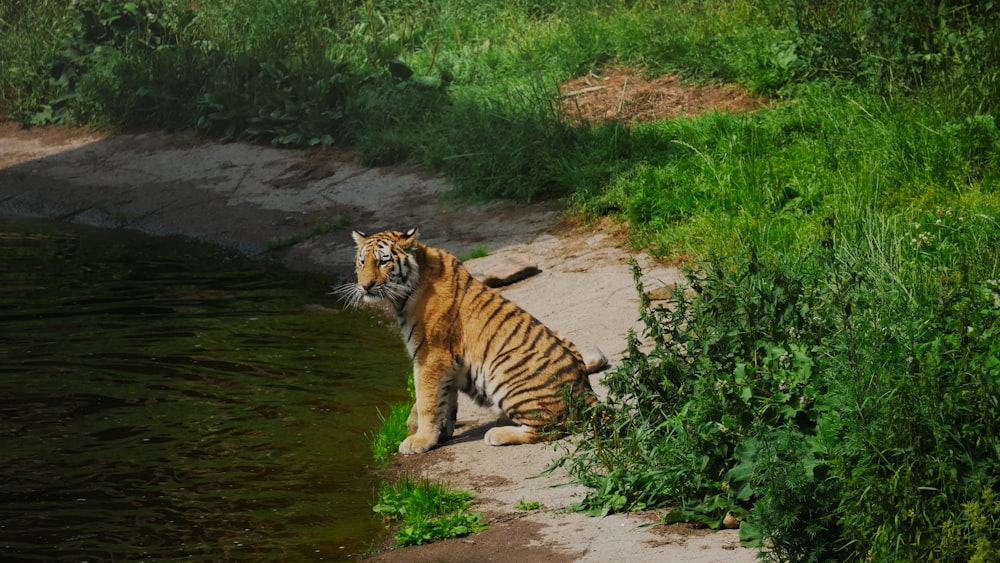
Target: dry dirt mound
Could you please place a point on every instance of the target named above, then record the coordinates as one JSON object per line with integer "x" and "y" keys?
{"x": 618, "y": 94}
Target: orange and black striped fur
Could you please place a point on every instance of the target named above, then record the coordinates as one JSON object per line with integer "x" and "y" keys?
{"x": 464, "y": 336}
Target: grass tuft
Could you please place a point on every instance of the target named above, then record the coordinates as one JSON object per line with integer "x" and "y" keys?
{"x": 391, "y": 432}
{"x": 478, "y": 251}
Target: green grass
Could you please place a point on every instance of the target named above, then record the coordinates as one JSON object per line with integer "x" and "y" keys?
{"x": 393, "y": 427}
{"x": 391, "y": 432}
{"x": 478, "y": 251}
{"x": 317, "y": 229}
{"x": 780, "y": 175}
{"x": 426, "y": 511}
{"x": 435, "y": 84}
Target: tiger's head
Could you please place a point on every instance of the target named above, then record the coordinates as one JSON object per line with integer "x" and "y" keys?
{"x": 385, "y": 268}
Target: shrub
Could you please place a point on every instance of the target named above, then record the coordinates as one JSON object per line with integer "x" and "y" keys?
{"x": 842, "y": 400}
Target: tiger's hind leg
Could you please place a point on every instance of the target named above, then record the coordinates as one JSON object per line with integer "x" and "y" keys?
{"x": 505, "y": 435}
{"x": 450, "y": 414}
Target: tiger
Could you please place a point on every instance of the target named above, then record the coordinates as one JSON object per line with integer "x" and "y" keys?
{"x": 465, "y": 336}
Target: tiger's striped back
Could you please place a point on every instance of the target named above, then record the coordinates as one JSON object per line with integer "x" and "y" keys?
{"x": 465, "y": 336}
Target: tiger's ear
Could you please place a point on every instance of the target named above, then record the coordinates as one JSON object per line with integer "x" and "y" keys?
{"x": 408, "y": 238}
{"x": 359, "y": 238}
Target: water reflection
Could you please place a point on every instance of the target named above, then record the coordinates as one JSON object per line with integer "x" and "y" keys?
{"x": 165, "y": 400}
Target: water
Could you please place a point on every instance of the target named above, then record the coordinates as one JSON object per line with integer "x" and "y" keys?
{"x": 166, "y": 400}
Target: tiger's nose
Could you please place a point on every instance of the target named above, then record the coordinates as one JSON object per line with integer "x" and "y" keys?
{"x": 367, "y": 286}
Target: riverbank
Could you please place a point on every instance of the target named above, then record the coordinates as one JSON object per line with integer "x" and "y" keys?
{"x": 248, "y": 197}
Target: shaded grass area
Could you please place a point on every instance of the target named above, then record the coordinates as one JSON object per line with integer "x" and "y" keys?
{"x": 833, "y": 382}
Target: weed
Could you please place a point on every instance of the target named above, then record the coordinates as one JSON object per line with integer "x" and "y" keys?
{"x": 121, "y": 218}
{"x": 426, "y": 511}
{"x": 534, "y": 505}
{"x": 970, "y": 535}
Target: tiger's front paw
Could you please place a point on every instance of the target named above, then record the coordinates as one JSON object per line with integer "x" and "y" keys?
{"x": 417, "y": 444}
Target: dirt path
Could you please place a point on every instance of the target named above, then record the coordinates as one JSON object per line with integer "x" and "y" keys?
{"x": 244, "y": 196}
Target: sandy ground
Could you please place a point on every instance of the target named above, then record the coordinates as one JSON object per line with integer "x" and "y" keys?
{"x": 243, "y": 196}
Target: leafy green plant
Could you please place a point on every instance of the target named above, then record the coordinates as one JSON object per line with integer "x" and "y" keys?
{"x": 795, "y": 510}
{"x": 426, "y": 511}
{"x": 739, "y": 356}
{"x": 533, "y": 505}
{"x": 97, "y": 66}
{"x": 889, "y": 44}
{"x": 423, "y": 511}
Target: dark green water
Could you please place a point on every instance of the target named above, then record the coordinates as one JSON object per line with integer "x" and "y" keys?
{"x": 163, "y": 400}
